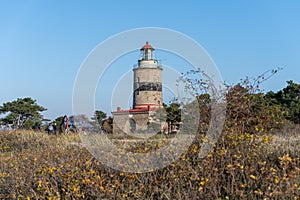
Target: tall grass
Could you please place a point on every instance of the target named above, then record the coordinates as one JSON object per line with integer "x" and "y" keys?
{"x": 242, "y": 166}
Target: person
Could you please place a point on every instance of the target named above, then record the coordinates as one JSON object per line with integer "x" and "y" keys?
{"x": 54, "y": 128}
{"x": 50, "y": 128}
{"x": 66, "y": 123}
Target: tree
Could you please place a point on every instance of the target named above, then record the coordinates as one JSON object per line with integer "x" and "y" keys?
{"x": 247, "y": 111}
{"x": 173, "y": 114}
{"x": 98, "y": 118}
{"x": 170, "y": 114}
{"x": 21, "y": 113}
{"x": 157, "y": 121}
{"x": 60, "y": 124}
{"x": 204, "y": 102}
{"x": 107, "y": 126}
{"x": 289, "y": 100}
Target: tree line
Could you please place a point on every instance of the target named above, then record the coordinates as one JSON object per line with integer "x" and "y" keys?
{"x": 25, "y": 113}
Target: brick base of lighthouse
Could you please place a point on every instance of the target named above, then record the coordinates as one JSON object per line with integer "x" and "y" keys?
{"x": 126, "y": 122}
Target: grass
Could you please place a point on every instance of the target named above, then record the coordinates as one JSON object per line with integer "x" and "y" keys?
{"x": 241, "y": 166}
{"x": 287, "y": 140}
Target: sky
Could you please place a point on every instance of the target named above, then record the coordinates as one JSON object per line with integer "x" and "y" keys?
{"x": 44, "y": 43}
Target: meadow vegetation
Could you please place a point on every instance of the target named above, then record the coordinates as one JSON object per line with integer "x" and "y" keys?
{"x": 241, "y": 166}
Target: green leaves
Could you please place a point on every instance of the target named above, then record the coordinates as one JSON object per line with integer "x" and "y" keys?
{"x": 102, "y": 122}
{"x": 289, "y": 101}
{"x": 99, "y": 116}
{"x": 20, "y": 111}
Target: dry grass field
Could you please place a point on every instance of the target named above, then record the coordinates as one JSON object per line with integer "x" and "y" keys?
{"x": 35, "y": 165}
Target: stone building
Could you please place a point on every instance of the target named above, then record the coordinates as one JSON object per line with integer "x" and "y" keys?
{"x": 147, "y": 95}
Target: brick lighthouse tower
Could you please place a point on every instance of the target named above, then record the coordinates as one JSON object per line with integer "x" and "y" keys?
{"x": 147, "y": 85}
{"x": 147, "y": 94}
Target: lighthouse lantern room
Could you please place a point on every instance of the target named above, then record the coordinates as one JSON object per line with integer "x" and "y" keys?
{"x": 147, "y": 52}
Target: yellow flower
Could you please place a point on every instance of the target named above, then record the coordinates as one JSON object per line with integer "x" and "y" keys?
{"x": 258, "y": 192}
{"x": 229, "y": 165}
{"x": 195, "y": 149}
{"x": 285, "y": 159}
{"x": 200, "y": 188}
{"x": 76, "y": 188}
{"x": 273, "y": 170}
{"x": 102, "y": 188}
{"x": 262, "y": 163}
{"x": 252, "y": 176}
{"x": 39, "y": 183}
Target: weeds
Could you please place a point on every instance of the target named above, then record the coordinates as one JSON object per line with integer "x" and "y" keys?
{"x": 243, "y": 166}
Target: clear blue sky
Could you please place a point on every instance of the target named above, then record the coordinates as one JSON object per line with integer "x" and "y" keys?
{"x": 43, "y": 43}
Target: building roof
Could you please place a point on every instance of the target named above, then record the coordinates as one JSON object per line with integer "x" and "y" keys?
{"x": 135, "y": 110}
{"x": 147, "y": 46}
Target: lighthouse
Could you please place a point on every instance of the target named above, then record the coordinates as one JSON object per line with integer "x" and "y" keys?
{"x": 147, "y": 75}
{"x": 147, "y": 95}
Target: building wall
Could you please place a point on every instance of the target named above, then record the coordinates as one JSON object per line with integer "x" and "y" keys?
{"x": 147, "y": 86}
{"x": 147, "y": 75}
{"x": 147, "y": 97}
{"x": 147, "y": 63}
{"x": 121, "y": 122}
